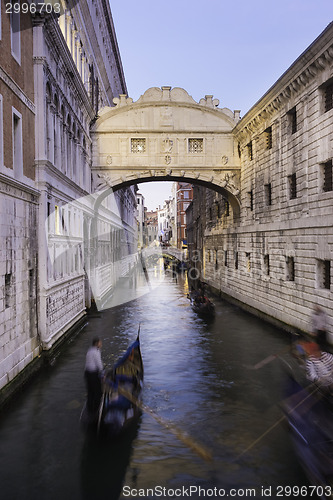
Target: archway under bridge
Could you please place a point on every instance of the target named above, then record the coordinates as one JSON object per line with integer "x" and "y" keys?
{"x": 166, "y": 136}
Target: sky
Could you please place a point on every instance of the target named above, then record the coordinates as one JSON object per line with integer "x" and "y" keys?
{"x": 235, "y": 50}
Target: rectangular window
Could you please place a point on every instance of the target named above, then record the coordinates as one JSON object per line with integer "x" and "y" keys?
{"x": 15, "y": 35}
{"x": 138, "y": 145}
{"x": 250, "y": 150}
{"x": 269, "y": 138}
{"x": 290, "y": 268}
{"x": 195, "y": 145}
{"x": 17, "y": 144}
{"x": 327, "y": 176}
{"x": 328, "y": 97}
{"x": 292, "y": 186}
{"x": 266, "y": 265}
{"x": 1, "y": 129}
{"x": 250, "y": 194}
{"x": 226, "y": 258}
{"x": 268, "y": 194}
{"x": 293, "y": 120}
{"x": 324, "y": 274}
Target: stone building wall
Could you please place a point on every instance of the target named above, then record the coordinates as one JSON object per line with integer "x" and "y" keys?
{"x": 277, "y": 257}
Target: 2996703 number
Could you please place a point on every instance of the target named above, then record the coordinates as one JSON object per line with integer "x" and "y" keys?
{"x": 31, "y": 8}
{"x": 304, "y": 491}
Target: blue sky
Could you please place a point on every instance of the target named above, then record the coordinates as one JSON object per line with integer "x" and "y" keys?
{"x": 235, "y": 50}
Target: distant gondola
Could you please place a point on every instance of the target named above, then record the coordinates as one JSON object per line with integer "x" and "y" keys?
{"x": 204, "y": 307}
{"x": 116, "y": 412}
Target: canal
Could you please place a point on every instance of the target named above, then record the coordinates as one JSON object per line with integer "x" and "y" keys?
{"x": 198, "y": 376}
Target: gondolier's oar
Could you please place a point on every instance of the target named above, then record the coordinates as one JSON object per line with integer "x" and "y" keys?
{"x": 182, "y": 436}
{"x": 269, "y": 358}
{"x": 100, "y": 411}
{"x": 312, "y": 389}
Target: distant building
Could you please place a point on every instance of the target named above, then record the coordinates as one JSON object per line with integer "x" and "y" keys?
{"x": 184, "y": 196}
{"x": 141, "y": 220}
{"x": 152, "y": 227}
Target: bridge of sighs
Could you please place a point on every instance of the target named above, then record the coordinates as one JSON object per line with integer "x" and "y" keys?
{"x": 167, "y": 135}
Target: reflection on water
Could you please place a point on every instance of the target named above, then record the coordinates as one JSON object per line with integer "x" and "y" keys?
{"x": 197, "y": 376}
{"x": 103, "y": 465}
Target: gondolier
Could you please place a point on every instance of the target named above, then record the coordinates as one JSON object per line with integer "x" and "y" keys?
{"x": 92, "y": 373}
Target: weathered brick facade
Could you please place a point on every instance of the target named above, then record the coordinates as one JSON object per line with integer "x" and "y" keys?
{"x": 19, "y": 341}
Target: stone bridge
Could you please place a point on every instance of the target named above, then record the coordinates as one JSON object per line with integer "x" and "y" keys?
{"x": 166, "y": 135}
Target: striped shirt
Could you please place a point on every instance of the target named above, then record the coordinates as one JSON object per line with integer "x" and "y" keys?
{"x": 320, "y": 369}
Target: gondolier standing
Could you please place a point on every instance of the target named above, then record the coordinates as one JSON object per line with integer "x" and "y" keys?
{"x": 93, "y": 373}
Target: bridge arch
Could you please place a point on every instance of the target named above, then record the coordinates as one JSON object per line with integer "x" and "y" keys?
{"x": 166, "y": 136}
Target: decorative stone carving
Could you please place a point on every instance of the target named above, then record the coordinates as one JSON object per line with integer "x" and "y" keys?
{"x": 167, "y": 145}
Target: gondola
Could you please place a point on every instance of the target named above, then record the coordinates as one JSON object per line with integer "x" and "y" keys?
{"x": 309, "y": 413}
{"x": 203, "y": 308}
{"x": 117, "y": 411}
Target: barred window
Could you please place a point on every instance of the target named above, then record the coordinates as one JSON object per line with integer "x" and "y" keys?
{"x": 250, "y": 195}
{"x": 269, "y": 138}
{"x": 292, "y": 186}
{"x": 290, "y": 268}
{"x": 293, "y": 120}
{"x": 266, "y": 265}
{"x": 327, "y": 176}
{"x": 328, "y": 93}
{"x": 250, "y": 150}
{"x": 236, "y": 260}
{"x": 195, "y": 145}
{"x": 138, "y": 145}
{"x": 226, "y": 208}
{"x": 324, "y": 274}
{"x": 268, "y": 193}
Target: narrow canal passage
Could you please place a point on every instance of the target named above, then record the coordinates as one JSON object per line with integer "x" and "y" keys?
{"x": 197, "y": 375}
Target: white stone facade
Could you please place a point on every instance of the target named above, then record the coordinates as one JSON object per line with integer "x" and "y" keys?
{"x": 60, "y": 72}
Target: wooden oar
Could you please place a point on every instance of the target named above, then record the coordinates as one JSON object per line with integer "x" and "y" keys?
{"x": 312, "y": 389}
{"x": 269, "y": 358}
{"x": 182, "y": 436}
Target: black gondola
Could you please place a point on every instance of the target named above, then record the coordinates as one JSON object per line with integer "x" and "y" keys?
{"x": 116, "y": 411}
{"x": 203, "y": 307}
{"x": 309, "y": 412}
